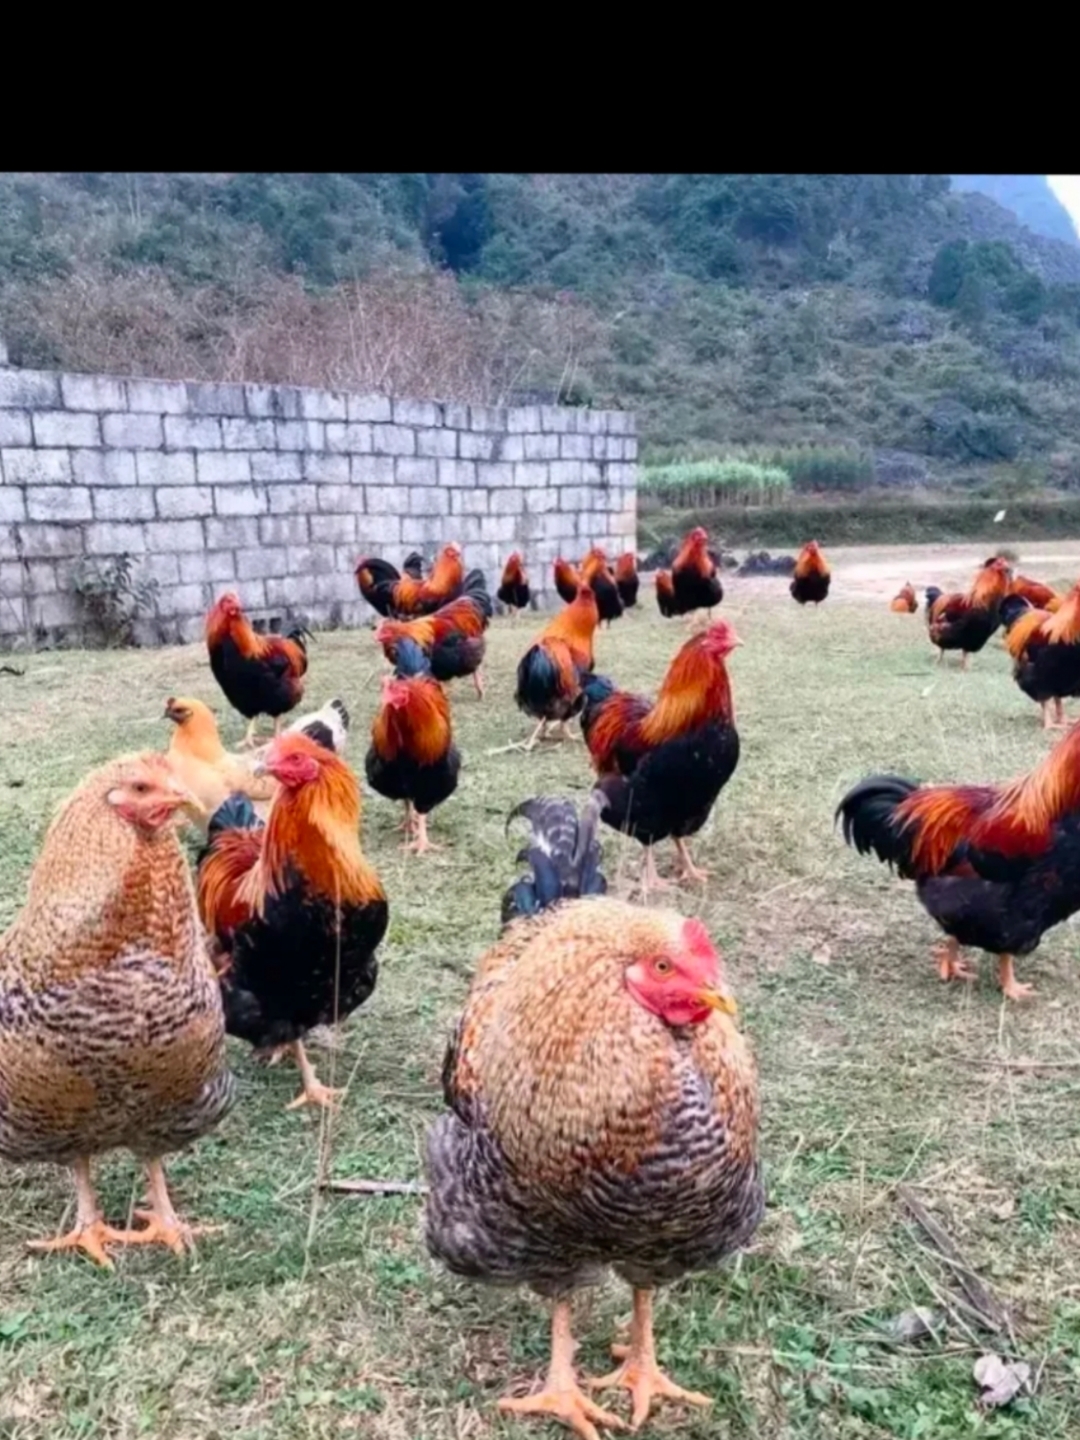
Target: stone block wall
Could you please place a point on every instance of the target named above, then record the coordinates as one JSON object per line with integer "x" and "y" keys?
{"x": 277, "y": 491}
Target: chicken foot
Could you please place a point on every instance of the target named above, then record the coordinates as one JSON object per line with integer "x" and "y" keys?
{"x": 1011, "y": 988}
{"x": 419, "y": 843}
{"x": 950, "y": 965}
{"x": 689, "y": 870}
{"x": 90, "y": 1234}
{"x": 562, "y": 1398}
{"x": 249, "y": 741}
{"x": 478, "y": 682}
{"x": 650, "y": 876}
{"x": 639, "y": 1373}
{"x": 163, "y": 1225}
{"x": 1058, "y": 722}
{"x": 314, "y": 1091}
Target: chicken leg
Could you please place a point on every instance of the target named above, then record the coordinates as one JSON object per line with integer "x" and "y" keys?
{"x": 249, "y": 742}
{"x": 314, "y": 1091}
{"x": 689, "y": 870}
{"x": 163, "y": 1225}
{"x": 478, "y": 682}
{"x": 650, "y": 876}
{"x": 90, "y": 1234}
{"x": 1010, "y": 986}
{"x": 950, "y": 965}
{"x": 562, "y": 1398}
{"x": 639, "y": 1372}
{"x": 420, "y": 843}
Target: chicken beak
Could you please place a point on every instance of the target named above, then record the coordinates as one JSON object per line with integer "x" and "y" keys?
{"x": 717, "y": 1000}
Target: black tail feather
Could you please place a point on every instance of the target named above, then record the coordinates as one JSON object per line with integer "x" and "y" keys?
{"x": 564, "y": 856}
{"x": 866, "y": 816}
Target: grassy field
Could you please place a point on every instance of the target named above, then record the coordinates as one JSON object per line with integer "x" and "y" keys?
{"x": 320, "y": 1315}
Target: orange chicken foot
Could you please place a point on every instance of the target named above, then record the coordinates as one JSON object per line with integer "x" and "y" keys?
{"x": 562, "y": 1398}
{"x": 950, "y": 965}
{"x": 1010, "y": 986}
{"x": 639, "y": 1373}
{"x": 89, "y": 1234}
{"x": 314, "y": 1091}
{"x": 163, "y": 1225}
{"x": 689, "y": 870}
{"x": 420, "y": 843}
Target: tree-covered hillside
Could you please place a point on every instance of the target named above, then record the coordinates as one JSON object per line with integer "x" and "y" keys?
{"x": 877, "y": 311}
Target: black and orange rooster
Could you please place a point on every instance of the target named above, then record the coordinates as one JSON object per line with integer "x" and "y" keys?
{"x": 905, "y": 601}
{"x": 661, "y": 765}
{"x": 1035, "y": 593}
{"x": 665, "y": 594}
{"x": 695, "y": 576}
{"x": 405, "y": 596}
{"x": 626, "y": 578}
{"x": 1045, "y": 649}
{"x": 514, "y": 592}
{"x": 412, "y": 755}
{"x": 259, "y": 674}
{"x": 567, "y": 580}
{"x": 811, "y": 579}
{"x": 966, "y": 622}
{"x": 598, "y": 575}
{"x": 550, "y": 673}
{"x": 452, "y": 637}
{"x": 294, "y": 906}
{"x": 995, "y": 865}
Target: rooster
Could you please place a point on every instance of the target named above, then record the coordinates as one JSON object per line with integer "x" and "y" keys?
{"x": 513, "y": 592}
{"x": 626, "y": 578}
{"x": 812, "y": 576}
{"x": 295, "y": 907}
{"x": 406, "y": 596}
{"x": 665, "y": 594}
{"x": 258, "y": 674}
{"x": 695, "y": 576}
{"x": 597, "y": 574}
{"x": 111, "y": 1028}
{"x": 412, "y": 755}
{"x": 550, "y": 673}
{"x": 452, "y": 637}
{"x": 1035, "y": 593}
{"x": 602, "y": 1110}
{"x": 996, "y": 866}
{"x": 905, "y": 602}
{"x": 966, "y": 622}
{"x": 567, "y": 580}
{"x": 662, "y": 765}
{"x": 1045, "y": 649}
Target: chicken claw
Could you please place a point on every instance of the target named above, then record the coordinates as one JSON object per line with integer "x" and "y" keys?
{"x": 562, "y": 1398}
{"x": 950, "y": 965}
{"x": 689, "y": 870}
{"x": 91, "y": 1238}
{"x": 162, "y": 1224}
{"x": 314, "y": 1091}
{"x": 639, "y": 1372}
{"x": 1011, "y": 988}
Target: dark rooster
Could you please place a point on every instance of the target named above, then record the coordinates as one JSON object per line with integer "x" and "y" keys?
{"x": 412, "y": 755}
{"x": 661, "y": 765}
{"x": 295, "y": 906}
{"x": 695, "y": 575}
{"x": 996, "y": 866}
{"x": 626, "y": 578}
{"x": 513, "y": 592}
{"x": 966, "y": 622}
{"x": 550, "y": 673}
{"x": 259, "y": 674}
{"x": 665, "y": 594}
{"x": 452, "y": 637}
{"x": 1045, "y": 649}
{"x": 597, "y": 574}
{"x": 810, "y": 582}
{"x": 567, "y": 580}
{"x": 602, "y": 1111}
{"x": 405, "y": 596}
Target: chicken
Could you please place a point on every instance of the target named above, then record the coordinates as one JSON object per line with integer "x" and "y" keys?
{"x": 812, "y": 576}
{"x": 258, "y": 674}
{"x": 602, "y": 1110}
{"x": 567, "y": 580}
{"x": 405, "y": 596}
{"x": 626, "y": 578}
{"x": 328, "y": 727}
{"x": 995, "y": 866}
{"x": 413, "y": 565}
{"x": 1045, "y": 648}
{"x": 295, "y": 907}
{"x": 665, "y": 594}
{"x": 563, "y": 859}
{"x": 202, "y": 764}
{"x": 513, "y": 592}
{"x": 550, "y": 672}
{"x": 111, "y": 1027}
{"x": 661, "y": 766}
{"x": 597, "y": 574}
{"x": 905, "y": 602}
{"x": 695, "y": 576}
{"x": 966, "y": 622}
{"x": 452, "y": 637}
{"x": 1034, "y": 592}
{"x": 412, "y": 755}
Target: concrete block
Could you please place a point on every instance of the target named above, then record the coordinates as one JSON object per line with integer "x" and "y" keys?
{"x": 29, "y": 390}
{"x": 207, "y": 567}
{"x": 109, "y": 538}
{"x": 486, "y": 417}
{"x": 59, "y": 502}
{"x": 371, "y": 470}
{"x": 351, "y": 439}
{"x": 469, "y": 502}
{"x": 174, "y": 536}
{"x": 336, "y": 588}
{"x": 322, "y": 405}
{"x": 93, "y": 392}
{"x": 422, "y": 530}
{"x": 12, "y": 505}
{"x": 334, "y": 529}
{"x": 289, "y": 591}
{"x": 374, "y": 532}
{"x": 157, "y": 397}
{"x": 216, "y": 399}
{"x": 165, "y": 569}
{"x": 341, "y": 498}
{"x": 15, "y": 428}
{"x": 51, "y": 540}
{"x": 273, "y": 402}
{"x": 541, "y": 502}
{"x": 523, "y": 420}
{"x": 300, "y": 434}
{"x": 393, "y": 440}
{"x": 292, "y": 499}
{"x": 248, "y": 434}
{"x": 437, "y": 442}
{"x": 57, "y": 427}
{"x": 13, "y": 616}
{"x": 457, "y": 474}
{"x": 565, "y": 472}
{"x": 413, "y": 473}
{"x": 277, "y": 469}
{"x": 532, "y": 475}
{"x": 261, "y": 563}
{"x": 12, "y": 580}
{"x": 182, "y": 432}
{"x": 561, "y": 527}
{"x": 494, "y": 476}
{"x": 369, "y": 407}
{"x": 35, "y": 467}
{"x": 454, "y": 416}
{"x": 53, "y": 611}
{"x": 283, "y": 530}
{"x": 574, "y": 498}
{"x": 467, "y": 529}
{"x": 182, "y": 600}
{"x": 415, "y": 412}
{"x": 231, "y": 533}
{"x": 222, "y": 469}
{"x": 541, "y": 447}
{"x": 479, "y": 447}
{"x": 623, "y": 475}
{"x": 40, "y": 577}
{"x": 509, "y": 447}
{"x": 507, "y": 502}
{"x": 156, "y": 467}
{"x": 327, "y": 469}
{"x": 575, "y": 447}
{"x": 122, "y": 503}
{"x": 385, "y": 500}
{"x": 497, "y": 527}
{"x": 184, "y": 502}
{"x": 311, "y": 559}
{"x": 429, "y": 502}
{"x": 131, "y": 432}
{"x": 555, "y": 419}
{"x": 240, "y": 500}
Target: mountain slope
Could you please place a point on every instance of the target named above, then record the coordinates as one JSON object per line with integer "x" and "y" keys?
{"x": 1031, "y": 200}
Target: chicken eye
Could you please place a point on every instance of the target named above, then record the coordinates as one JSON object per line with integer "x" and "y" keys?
{"x": 662, "y": 967}
{"x": 140, "y": 787}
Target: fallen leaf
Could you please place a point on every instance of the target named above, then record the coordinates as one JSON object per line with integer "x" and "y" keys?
{"x": 1000, "y": 1382}
{"x": 822, "y": 955}
{"x": 999, "y": 517}
{"x": 917, "y": 1323}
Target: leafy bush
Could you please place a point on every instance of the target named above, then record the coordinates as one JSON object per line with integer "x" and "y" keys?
{"x": 716, "y": 482}
{"x": 815, "y": 470}
{"x": 112, "y": 597}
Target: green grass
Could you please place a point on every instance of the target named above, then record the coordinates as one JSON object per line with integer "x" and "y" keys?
{"x": 323, "y": 1317}
{"x": 716, "y": 482}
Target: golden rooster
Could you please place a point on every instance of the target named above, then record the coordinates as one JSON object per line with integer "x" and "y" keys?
{"x": 406, "y": 596}
{"x": 602, "y": 1111}
{"x": 550, "y": 672}
{"x": 513, "y": 591}
{"x": 1035, "y": 593}
{"x": 567, "y": 580}
{"x": 626, "y": 578}
{"x": 111, "y": 1027}
{"x": 810, "y": 582}
{"x": 258, "y": 674}
{"x": 966, "y": 622}
{"x": 905, "y": 601}
{"x": 598, "y": 575}
{"x": 1045, "y": 649}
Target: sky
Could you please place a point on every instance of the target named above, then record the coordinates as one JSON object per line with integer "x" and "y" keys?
{"x": 1067, "y": 190}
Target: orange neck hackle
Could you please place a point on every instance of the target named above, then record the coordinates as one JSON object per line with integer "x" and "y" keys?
{"x": 448, "y": 571}
{"x": 1063, "y": 626}
{"x": 414, "y": 719}
{"x": 694, "y": 551}
{"x": 626, "y": 566}
{"x": 575, "y": 625}
{"x": 696, "y": 688}
{"x": 664, "y": 584}
{"x": 227, "y": 620}
{"x": 810, "y": 561}
{"x": 991, "y": 584}
{"x": 514, "y": 570}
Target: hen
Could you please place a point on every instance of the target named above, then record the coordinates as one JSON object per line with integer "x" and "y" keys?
{"x": 567, "y": 580}
{"x": 452, "y": 637}
{"x": 406, "y": 596}
{"x": 812, "y": 577}
{"x": 661, "y": 766}
{"x": 111, "y": 1030}
{"x": 602, "y": 1112}
{"x": 695, "y": 576}
{"x": 258, "y": 674}
{"x": 1045, "y": 648}
{"x": 626, "y": 579}
{"x": 550, "y": 673}
{"x": 295, "y": 907}
{"x": 597, "y": 574}
{"x": 905, "y": 602}
{"x": 513, "y": 592}
{"x": 202, "y": 764}
{"x": 412, "y": 755}
{"x": 996, "y": 866}
{"x": 966, "y": 622}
